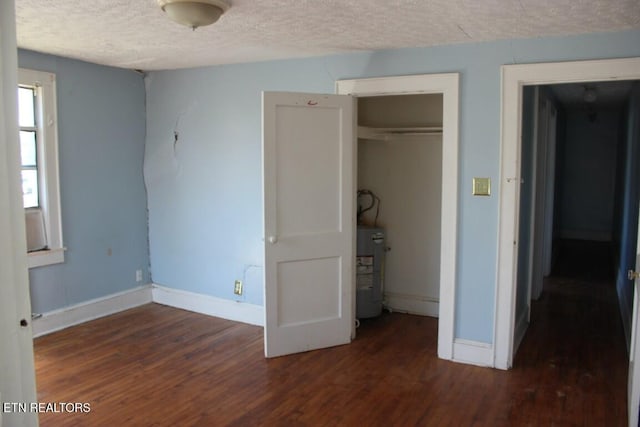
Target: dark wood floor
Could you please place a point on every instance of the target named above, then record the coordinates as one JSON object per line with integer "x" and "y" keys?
{"x": 574, "y": 354}
{"x": 160, "y": 366}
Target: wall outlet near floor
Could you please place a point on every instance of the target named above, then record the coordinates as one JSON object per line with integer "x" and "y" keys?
{"x": 237, "y": 287}
{"x": 138, "y": 275}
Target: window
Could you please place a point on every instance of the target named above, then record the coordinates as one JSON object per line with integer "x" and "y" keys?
{"x": 39, "y": 166}
{"x": 28, "y": 149}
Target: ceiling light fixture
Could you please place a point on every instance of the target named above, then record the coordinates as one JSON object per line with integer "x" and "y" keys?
{"x": 194, "y": 13}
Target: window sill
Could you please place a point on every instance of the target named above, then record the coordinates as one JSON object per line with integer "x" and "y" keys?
{"x": 48, "y": 257}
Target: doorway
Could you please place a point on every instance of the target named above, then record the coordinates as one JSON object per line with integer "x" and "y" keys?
{"x": 310, "y": 216}
{"x": 400, "y": 168}
{"x": 382, "y": 90}
{"x": 574, "y": 192}
{"x": 514, "y": 78}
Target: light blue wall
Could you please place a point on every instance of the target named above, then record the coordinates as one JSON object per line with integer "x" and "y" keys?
{"x": 101, "y": 130}
{"x": 204, "y": 192}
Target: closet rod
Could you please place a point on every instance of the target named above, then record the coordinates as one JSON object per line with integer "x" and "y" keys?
{"x": 366, "y": 132}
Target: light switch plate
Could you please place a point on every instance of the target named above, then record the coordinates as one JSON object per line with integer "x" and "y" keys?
{"x": 481, "y": 186}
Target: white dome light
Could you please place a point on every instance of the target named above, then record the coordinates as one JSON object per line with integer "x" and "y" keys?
{"x": 194, "y": 13}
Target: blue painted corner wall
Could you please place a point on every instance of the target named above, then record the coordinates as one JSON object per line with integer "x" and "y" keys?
{"x": 101, "y": 136}
{"x": 204, "y": 188}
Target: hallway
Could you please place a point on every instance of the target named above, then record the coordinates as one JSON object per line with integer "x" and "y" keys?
{"x": 574, "y": 354}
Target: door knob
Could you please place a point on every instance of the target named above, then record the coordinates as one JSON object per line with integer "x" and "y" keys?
{"x": 272, "y": 239}
{"x": 632, "y": 275}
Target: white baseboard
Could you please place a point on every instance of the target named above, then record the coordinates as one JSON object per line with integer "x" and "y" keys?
{"x": 212, "y": 306}
{"x": 110, "y": 304}
{"x": 412, "y": 304}
{"x": 521, "y": 328}
{"x": 472, "y": 352}
{"x": 89, "y": 310}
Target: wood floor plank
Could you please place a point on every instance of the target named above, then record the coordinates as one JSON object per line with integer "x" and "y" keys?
{"x": 160, "y": 366}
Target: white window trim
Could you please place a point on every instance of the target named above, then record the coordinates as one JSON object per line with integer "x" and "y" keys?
{"x": 46, "y": 110}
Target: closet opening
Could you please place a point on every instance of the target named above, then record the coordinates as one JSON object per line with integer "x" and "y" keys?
{"x": 399, "y": 205}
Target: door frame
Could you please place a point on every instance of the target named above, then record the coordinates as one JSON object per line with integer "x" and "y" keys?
{"x": 446, "y": 84}
{"x": 513, "y": 78}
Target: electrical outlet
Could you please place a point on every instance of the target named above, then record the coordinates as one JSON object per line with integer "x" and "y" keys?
{"x": 138, "y": 275}
{"x": 237, "y": 287}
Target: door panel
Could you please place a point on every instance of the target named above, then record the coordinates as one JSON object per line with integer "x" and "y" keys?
{"x": 308, "y": 291}
{"x": 308, "y": 170}
{"x": 309, "y": 202}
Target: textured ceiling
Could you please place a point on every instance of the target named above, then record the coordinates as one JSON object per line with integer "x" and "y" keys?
{"x": 137, "y": 34}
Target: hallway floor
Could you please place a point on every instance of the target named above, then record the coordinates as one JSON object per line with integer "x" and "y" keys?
{"x": 574, "y": 352}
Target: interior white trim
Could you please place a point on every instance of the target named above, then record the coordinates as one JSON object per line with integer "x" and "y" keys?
{"x": 93, "y": 309}
{"x": 473, "y": 352}
{"x": 46, "y": 257}
{"x": 514, "y": 77}
{"x": 448, "y": 85}
{"x": 89, "y": 310}
{"x": 47, "y": 115}
{"x": 412, "y": 304}
{"x": 209, "y": 305}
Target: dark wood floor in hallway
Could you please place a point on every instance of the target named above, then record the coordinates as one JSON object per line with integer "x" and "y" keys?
{"x": 160, "y": 366}
{"x": 574, "y": 354}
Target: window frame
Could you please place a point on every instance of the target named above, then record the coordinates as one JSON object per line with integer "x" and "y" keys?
{"x": 44, "y": 84}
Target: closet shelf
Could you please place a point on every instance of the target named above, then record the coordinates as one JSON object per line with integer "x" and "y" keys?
{"x": 390, "y": 133}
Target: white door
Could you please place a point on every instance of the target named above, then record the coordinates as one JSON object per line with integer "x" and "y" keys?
{"x": 633, "y": 392}
{"x": 17, "y": 375}
{"x": 309, "y": 207}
